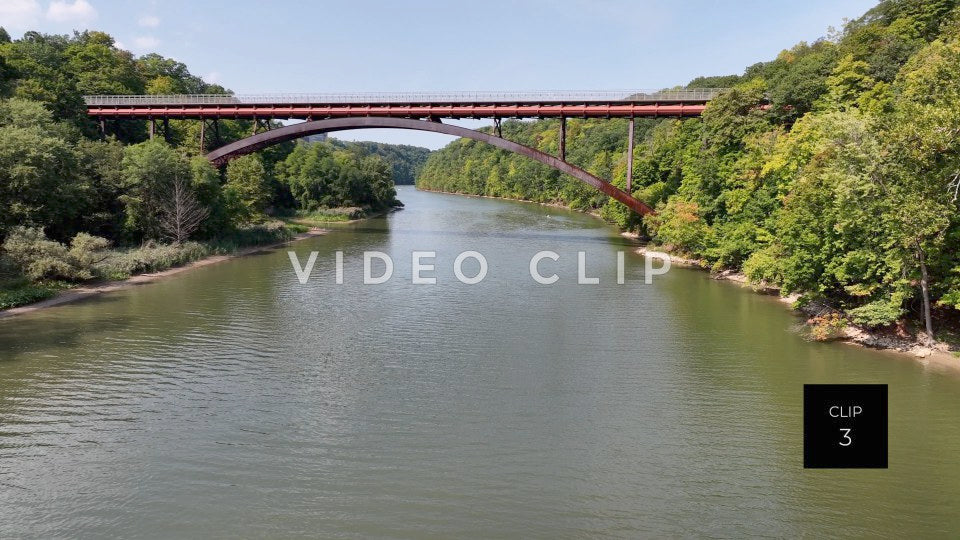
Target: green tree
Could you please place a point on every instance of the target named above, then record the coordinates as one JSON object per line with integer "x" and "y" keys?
{"x": 39, "y": 181}
{"x": 150, "y": 170}
{"x": 925, "y": 167}
{"x": 248, "y": 186}
{"x": 209, "y": 192}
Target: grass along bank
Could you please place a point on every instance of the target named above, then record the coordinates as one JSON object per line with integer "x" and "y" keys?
{"x": 34, "y": 268}
{"x": 344, "y": 214}
{"x": 329, "y": 215}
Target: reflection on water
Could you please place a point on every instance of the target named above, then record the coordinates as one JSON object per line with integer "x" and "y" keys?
{"x": 233, "y": 401}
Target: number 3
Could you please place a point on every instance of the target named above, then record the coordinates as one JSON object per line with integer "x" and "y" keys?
{"x": 846, "y": 435}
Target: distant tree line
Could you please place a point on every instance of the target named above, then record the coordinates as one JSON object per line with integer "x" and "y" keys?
{"x": 405, "y": 161}
{"x": 844, "y": 188}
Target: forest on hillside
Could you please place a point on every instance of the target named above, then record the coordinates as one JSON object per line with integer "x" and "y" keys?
{"x": 405, "y": 161}
{"x": 844, "y": 189}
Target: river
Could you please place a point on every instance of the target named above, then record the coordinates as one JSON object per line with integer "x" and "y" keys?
{"x": 232, "y": 401}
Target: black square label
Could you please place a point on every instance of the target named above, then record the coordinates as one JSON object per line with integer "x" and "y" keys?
{"x": 845, "y": 426}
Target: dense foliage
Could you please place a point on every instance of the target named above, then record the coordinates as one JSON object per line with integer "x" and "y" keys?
{"x": 832, "y": 170}
{"x": 406, "y": 161}
{"x": 327, "y": 174}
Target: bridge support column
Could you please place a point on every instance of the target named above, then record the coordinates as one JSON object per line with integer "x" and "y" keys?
{"x": 261, "y": 123}
{"x": 212, "y": 132}
{"x": 563, "y": 138}
{"x": 630, "y": 157}
{"x": 496, "y": 128}
{"x": 166, "y": 129}
{"x": 153, "y": 127}
{"x": 257, "y": 125}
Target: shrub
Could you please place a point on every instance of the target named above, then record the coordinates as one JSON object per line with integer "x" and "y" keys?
{"x": 763, "y": 266}
{"x": 344, "y": 213}
{"x": 679, "y": 224}
{"x": 151, "y": 258}
{"x": 87, "y": 250}
{"x": 878, "y": 313}
{"x": 828, "y": 326}
{"x": 38, "y": 257}
{"x": 254, "y": 235}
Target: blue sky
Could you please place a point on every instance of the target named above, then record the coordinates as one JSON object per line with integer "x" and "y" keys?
{"x": 365, "y": 45}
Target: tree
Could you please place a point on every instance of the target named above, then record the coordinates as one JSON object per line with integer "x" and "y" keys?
{"x": 98, "y": 67}
{"x": 329, "y": 174}
{"x": 247, "y": 184}
{"x": 150, "y": 169}
{"x": 180, "y": 213}
{"x": 925, "y": 161}
{"x": 101, "y": 211}
{"x": 205, "y": 182}
{"x": 848, "y": 81}
{"x": 39, "y": 180}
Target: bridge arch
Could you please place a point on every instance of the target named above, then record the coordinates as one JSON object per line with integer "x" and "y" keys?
{"x": 256, "y": 142}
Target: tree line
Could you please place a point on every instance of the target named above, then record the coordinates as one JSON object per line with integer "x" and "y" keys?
{"x": 832, "y": 170}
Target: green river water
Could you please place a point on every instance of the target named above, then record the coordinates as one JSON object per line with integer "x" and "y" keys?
{"x": 232, "y": 401}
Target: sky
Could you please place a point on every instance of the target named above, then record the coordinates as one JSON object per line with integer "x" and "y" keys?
{"x": 287, "y": 46}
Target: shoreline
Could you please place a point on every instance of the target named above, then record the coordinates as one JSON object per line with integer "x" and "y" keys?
{"x": 81, "y": 292}
{"x": 937, "y": 355}
{"x": 551, "y": 205}
{"x": 315, "y": 223}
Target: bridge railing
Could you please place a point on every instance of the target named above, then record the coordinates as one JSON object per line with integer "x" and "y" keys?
{"x": 605, "y": 96}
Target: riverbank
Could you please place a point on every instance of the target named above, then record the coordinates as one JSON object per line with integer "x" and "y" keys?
{"x": 82, "y": 291}
{"x": 828, "y": 324}
{"x": 823, "y": 322}
{"x": 551, "y": 205}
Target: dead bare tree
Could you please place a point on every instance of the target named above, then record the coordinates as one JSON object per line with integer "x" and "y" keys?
{"x": 181, "y": 214}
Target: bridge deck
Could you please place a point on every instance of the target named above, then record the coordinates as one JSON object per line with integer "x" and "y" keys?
{"x": 594, "y": 104}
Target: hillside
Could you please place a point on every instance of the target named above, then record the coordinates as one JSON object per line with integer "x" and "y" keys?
{"x": 844, "y": 189}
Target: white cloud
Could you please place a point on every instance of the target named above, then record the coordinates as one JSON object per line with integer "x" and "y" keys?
{"x": 149, "y": 21}
{"x": 19, "y": 15}
{"x": 145, "y": 42}
{"x": 213, "y": 77}
{"x": 64, "y": 11}
{"x": 119, "y": 45}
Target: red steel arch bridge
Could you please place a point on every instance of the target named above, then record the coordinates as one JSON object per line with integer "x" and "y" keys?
{"x": 425, "y": 111}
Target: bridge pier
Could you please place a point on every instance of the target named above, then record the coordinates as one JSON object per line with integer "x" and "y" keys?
{"x": 261, "y": 123}
{"x": 563, "y": 138}
{"x": 213, "y": 131}
{"x": 630, "y": 157}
